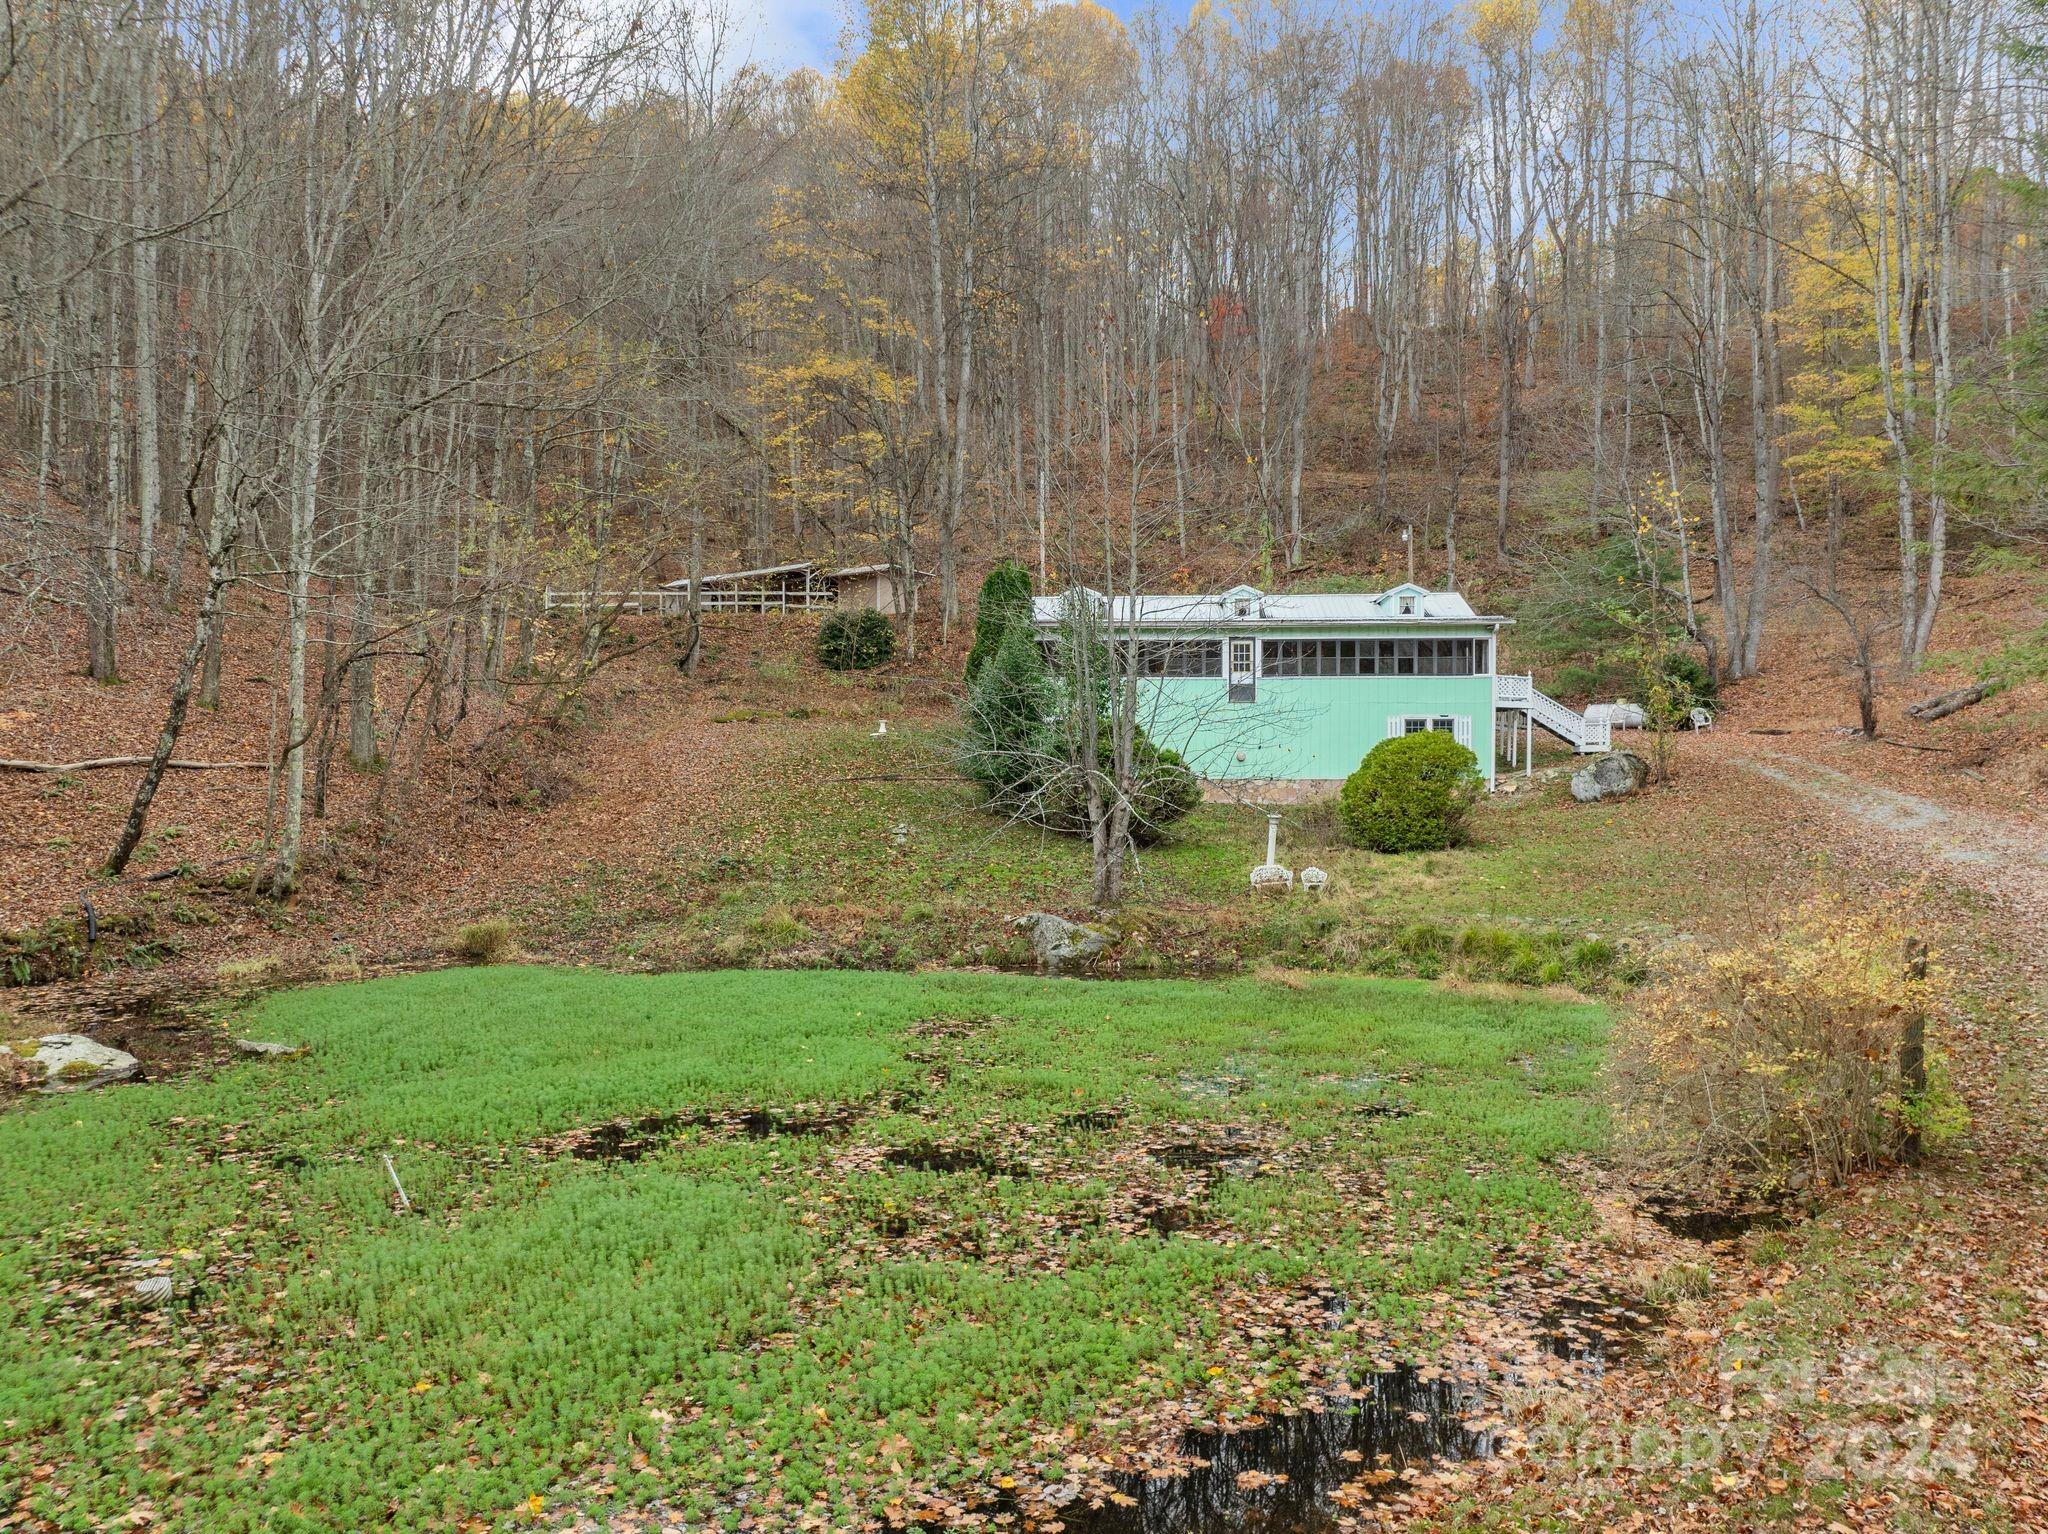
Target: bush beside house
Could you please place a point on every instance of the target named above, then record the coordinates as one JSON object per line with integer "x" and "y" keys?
{"x": 1412, "y": 793}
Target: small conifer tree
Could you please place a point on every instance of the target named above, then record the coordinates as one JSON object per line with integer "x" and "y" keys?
{"x": 1007, "y": 746}
{"x": 1005, "y": 598}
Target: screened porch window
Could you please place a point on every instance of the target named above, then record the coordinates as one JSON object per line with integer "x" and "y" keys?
{"x": 1375, "y": 657}
{"x": 1179, "y": 657}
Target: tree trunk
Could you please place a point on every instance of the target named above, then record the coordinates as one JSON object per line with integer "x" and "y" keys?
{"x": 218, "y": 574}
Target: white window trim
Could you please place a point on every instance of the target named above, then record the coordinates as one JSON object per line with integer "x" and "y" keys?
{"x": 1460, "y": 730}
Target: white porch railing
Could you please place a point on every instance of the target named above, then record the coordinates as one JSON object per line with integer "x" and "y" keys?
{"x": 1583, "y": 735}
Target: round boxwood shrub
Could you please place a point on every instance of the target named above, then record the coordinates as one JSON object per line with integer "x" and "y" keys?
{"x": 854, "y": 641}
{"x": 1412, "y": 793}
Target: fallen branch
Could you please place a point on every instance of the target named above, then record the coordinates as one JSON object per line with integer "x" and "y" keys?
{"x": 1941, "y": 705}
{"x": 897, "y": 777}
{"x": 91, "y": 763}
{"x": 1907, "y": 745}
{"x": 404, "y": 1203}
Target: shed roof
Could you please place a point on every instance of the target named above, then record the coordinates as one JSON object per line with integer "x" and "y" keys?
{"x": 1247, "y": 607}
{"x": 744, "y": 575}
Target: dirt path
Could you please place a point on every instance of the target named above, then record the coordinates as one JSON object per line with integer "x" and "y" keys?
{"x": 1961, "y": 838}
{"x": 2001, "y": 858}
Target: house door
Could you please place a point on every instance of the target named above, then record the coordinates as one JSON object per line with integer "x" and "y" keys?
{"x": 1244, "y": 686}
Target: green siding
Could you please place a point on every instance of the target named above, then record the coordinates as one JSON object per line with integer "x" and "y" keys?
{"x": 1309, "y": 727}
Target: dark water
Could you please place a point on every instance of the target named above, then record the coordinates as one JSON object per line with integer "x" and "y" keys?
{"x": 1169, "y": 1219}
{"x": 626, "y": 1139}
{"x": 1724, "y": 1224}
{"x": 1398, "y": 1418}
{"x": 947, "y": 1158}
{"x": 1191, "y": 1155}
{"x": 1590, "y": 1330}
{"x": 1092, "y": 1119}
{"x": 632, "y": 1139}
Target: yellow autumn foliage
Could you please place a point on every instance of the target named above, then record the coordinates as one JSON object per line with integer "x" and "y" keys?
{"x": 1775, "y": 1064}
{"x": 1502, "y": 25}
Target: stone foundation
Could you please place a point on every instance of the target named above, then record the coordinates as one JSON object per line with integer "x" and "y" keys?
{"x": 1269, "y": 790}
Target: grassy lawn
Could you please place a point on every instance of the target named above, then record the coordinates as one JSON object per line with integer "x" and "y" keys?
{"x": 875, "y": 854}
{"x": 771, "y": 1320}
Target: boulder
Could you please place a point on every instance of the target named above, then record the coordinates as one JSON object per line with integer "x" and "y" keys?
{"x": 71, "y": 1062}
{"x": 1610, "y": 776}
{"x": 267, "y": 1047}
{"x": 1056, "y": 940}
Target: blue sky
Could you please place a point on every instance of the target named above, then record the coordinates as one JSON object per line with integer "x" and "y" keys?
{"x": 782, "y": 35}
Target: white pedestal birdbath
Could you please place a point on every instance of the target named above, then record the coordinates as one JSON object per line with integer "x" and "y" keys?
{"x": 1270, "y": 875}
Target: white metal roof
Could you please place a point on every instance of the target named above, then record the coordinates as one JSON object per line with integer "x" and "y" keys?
{"x": 1246, "y": 607}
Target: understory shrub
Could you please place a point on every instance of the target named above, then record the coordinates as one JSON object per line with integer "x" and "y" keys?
{"x": 1412, "y": 793}
{"x": 1686, "y": 675}
{"x": 62, "y": 948}
{"x": 1162, "y": 791}
{"x": 1429, "y": 951}
{"x": 1776, "y": 1065}
{"x": 482, "y": 942}
{"x": 855, "y": 641}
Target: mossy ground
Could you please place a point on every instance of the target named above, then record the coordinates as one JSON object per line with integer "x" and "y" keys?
{"x": 789, "y": 1311}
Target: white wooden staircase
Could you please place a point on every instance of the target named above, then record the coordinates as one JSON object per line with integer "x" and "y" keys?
{"x": 1583, "y": 735}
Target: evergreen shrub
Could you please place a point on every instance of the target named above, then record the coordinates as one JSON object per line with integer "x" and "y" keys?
{"x": 1412, "y": 793}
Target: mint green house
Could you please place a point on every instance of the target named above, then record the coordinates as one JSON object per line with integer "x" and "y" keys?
{"x": 1270, "y": 687}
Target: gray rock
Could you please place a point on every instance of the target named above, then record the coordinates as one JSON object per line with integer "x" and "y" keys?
{"x": 71, "y": 1062}
{"x": 1612, "y": 776}
{"x": 1056, "y": 940}
{"x": 267, "y": 1047}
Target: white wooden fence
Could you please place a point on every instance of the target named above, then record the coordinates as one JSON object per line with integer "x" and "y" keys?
{"x": 717, "y": 599}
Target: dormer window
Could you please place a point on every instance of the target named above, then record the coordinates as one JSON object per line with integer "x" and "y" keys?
{"x": 1243, "y": 601}
{"x": 1407, "y": 605}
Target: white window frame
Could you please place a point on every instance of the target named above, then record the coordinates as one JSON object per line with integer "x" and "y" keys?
{"x": 1457, "y": 726}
